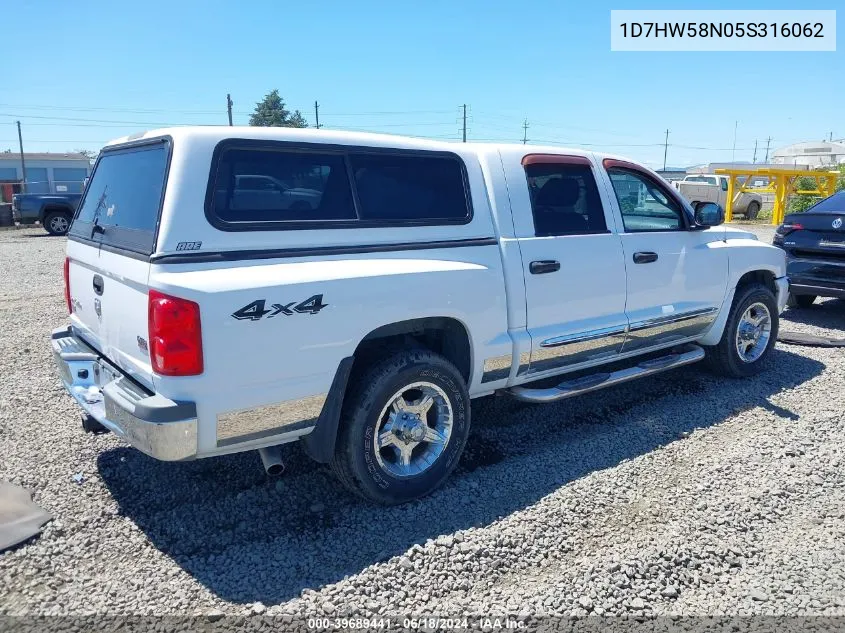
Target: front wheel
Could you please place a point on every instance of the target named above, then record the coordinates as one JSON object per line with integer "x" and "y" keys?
{"x": 750, "y": 333}
{"x": 403, "y": 427}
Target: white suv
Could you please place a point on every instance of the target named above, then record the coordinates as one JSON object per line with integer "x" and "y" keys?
{"x": 423, "y": 275}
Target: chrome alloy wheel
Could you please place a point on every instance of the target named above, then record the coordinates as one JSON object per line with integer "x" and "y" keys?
{"x": 413, "y": 429}
{"x": 753, "y": 332}
{"x": 59, "y": 224}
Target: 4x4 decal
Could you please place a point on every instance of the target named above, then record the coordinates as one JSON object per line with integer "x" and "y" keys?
{"x": 258, "y": 309}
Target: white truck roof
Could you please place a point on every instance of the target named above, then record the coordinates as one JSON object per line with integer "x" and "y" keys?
{"x": 215, "y": 133}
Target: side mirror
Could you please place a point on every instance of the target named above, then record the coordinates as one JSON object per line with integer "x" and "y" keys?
{"x": 709, "y": 214}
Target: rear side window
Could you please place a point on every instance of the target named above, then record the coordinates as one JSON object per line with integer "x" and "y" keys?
{"x": 278, "y": 186}
{"x": 564, "y": 199}
{"x": 255, "y": 185}
{"x": 122, "y": 204}
{"x": 409, "y": 188}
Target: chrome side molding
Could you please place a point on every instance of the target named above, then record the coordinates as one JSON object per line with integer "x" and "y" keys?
{"x": 574, "y": 387}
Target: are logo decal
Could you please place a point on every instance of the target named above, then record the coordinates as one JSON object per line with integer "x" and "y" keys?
{"x": 837, "y": 223}
{"x": 188, "y": 246}
{"x": 257, "y": 310}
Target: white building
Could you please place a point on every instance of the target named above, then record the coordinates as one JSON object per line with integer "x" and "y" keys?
{"x": 811, "y": 153}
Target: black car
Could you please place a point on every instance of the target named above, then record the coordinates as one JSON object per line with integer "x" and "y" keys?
{"x": 814, "y": 242}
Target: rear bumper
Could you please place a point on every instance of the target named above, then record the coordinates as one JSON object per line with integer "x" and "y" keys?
{"x": 833, "y": 290}
{"x": 153, "y": 424}
{"x": 820, "y": 277}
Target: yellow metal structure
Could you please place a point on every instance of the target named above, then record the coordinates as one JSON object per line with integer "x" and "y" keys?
{"x": 780, "y": 182}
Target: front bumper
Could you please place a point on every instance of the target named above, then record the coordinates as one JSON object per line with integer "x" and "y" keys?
{"x": 783, "y": 293}
{"x": 153, "y": 424}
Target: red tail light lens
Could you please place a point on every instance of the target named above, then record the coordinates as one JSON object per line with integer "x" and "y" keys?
{"x": 788, "y": 227}
{"x": 175, "y": 335}
{"x": 67, "y": 285}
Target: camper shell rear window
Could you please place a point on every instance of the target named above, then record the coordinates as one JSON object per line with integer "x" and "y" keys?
{"x": 121, "y": 206}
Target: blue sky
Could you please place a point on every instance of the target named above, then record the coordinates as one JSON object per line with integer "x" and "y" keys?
{"x": 84, "y": 72}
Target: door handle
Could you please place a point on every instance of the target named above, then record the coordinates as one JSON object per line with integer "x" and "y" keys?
{"x": 644, "y": 257}
{"x": 544, "y": 266}
{"x": 98, "y": 284}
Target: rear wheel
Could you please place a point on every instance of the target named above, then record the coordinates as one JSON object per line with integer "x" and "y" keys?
{"x": 752, "y": 210}
{"x": 403, "y": 427}
{"x": 57, "y": 222}
{"x": 801, "y": 301}
{"x": 750, "y": 333}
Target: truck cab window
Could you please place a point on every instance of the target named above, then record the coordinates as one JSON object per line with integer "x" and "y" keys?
{"x": 564, "y": 200}
{"x": 644, "y": 205}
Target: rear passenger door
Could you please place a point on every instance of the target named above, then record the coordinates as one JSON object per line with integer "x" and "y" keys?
{"x": 573, "y": 264}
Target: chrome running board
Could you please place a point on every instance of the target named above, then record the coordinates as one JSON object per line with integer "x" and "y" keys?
{"x": 575, "y": 387}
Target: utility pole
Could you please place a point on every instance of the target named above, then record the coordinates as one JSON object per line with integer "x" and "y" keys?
{"x": 317, "y": 114}
{"x": 23, "y": 162}
{"x": 229, "y": 107}
{"x": 465, "y": 123}
{"x": 665, "y": 149}
{"x": 525, "y": 132}
{"x": 768, "y": 141}
{"x": 733, "y": 152}
{"x": 754, "y": 161}
{"x": 831, "y": 137}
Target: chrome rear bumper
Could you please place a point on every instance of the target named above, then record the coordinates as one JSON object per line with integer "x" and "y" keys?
{"x": 153, "y": 424}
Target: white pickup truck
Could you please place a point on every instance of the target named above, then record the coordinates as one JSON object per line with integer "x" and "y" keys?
{"x": 703, "y": 188}
{"x": 425, "y": 274}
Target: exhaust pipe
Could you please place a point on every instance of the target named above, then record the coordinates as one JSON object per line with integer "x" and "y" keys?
{"x": 271, "y": 457}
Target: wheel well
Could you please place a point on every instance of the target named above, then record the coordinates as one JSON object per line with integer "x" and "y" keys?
{"x": 763, "y": 277}
{"x": 55, "y": 208}
{"x": 444, "y": 335}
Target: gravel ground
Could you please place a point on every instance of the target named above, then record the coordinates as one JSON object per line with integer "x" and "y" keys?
{"x": 679, "y": 494}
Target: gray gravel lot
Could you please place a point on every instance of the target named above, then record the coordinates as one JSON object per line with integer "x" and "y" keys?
{"x": 682, "y": 494}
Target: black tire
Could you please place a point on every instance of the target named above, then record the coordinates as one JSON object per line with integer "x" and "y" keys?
{"x": 752, "y": 210}
{"x": 724, "y": 358}
{"x": 356, "y": 463}
{"x": 801, "y": 301}
{"x": 53, "y": 222}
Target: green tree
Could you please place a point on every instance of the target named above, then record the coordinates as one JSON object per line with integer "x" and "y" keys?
{"x": 271, "y": 112}
{"x": 87, "y": 153}
{"x": 802, "y": 202}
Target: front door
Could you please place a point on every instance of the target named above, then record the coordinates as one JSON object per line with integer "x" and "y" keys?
{"x": 573, "y": 264}
{"x": 677, "y": 275}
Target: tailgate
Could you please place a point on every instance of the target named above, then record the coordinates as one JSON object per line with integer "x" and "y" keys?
{"x": 109, "y": 244}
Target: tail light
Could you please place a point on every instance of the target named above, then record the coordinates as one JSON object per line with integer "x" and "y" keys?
{"x": 175, "y": 335}
{"x": 788, "y": 227}
{"x": 67, "y": 285}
